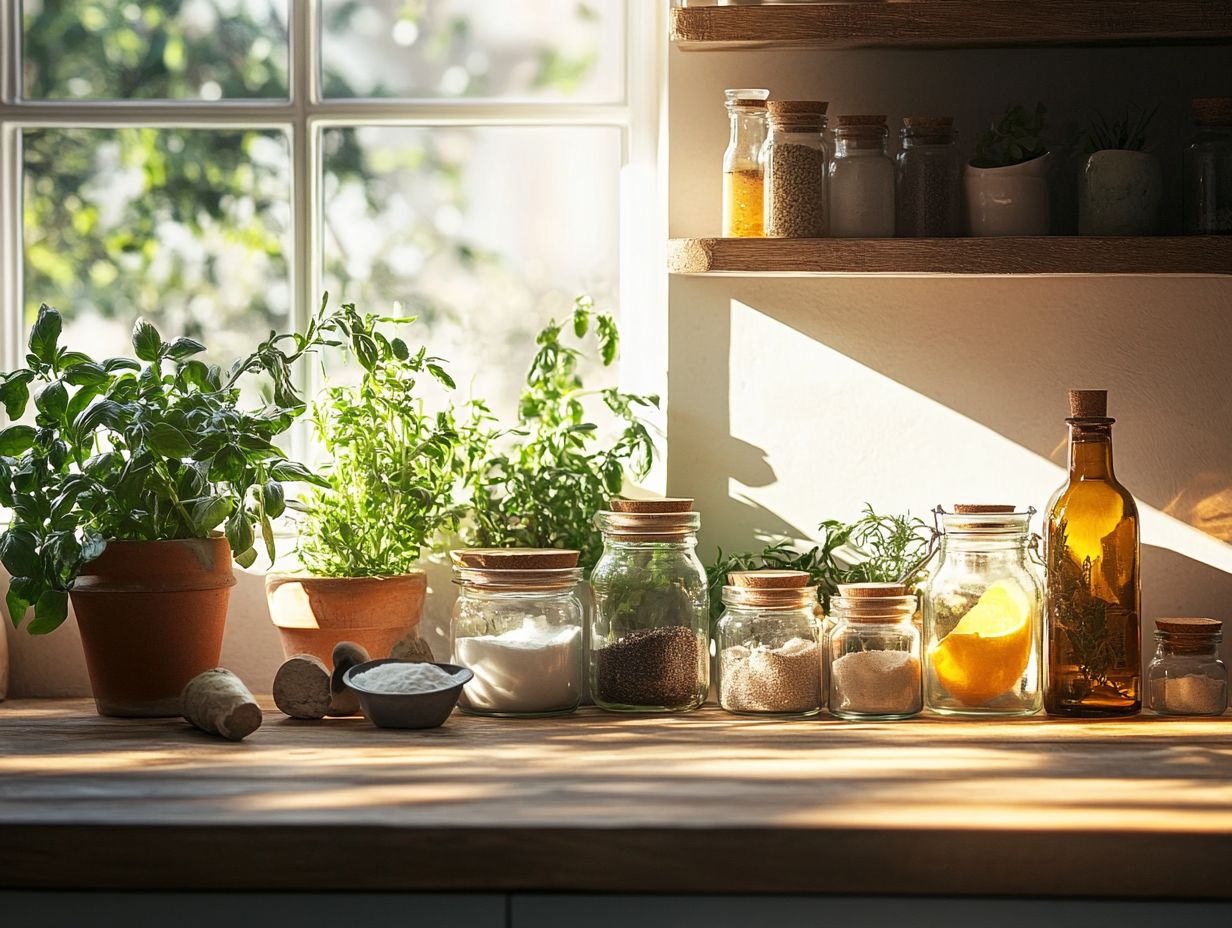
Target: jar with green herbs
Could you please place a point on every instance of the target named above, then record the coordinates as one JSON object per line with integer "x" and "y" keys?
{"x": 769, "y": 659}
{"x": 874, "y": 652}
{"x": 983, "y": 615}
{"x": 649, "y": 630}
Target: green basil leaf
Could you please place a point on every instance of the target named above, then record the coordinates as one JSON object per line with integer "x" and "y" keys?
{"x": 19, "y": 553}
{"x": 111, "y": 365}
{"x": 52, "y": 400}
{"x": 45, "y": 334}
{"x": 184, "y": 347}
{"x": 208, "y": 512}
{"x": 293, "y": 470}
{"x": 16, "y": 605}
{"x": 87, "y": 374}
{"x": 169, "y": 441}
{"x": 273, "y": 498}
{"x": 246, "y": 558}
{"x": 16, "y": 439}
{"x": 239, "y": 532}
{"x": 49, "y": 612}
{"x": 15, "y": 393}
{"x": 439, "y": 373}
{"x": 147, "y": 343}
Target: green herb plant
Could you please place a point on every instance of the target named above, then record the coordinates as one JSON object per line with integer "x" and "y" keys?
{"x": 544, "y": 488}
{"x": 394, "y": 479}
{"x": 1014, "y": 138}
{"x": 1128, "y": 134}
{"x": 149, "y": 448}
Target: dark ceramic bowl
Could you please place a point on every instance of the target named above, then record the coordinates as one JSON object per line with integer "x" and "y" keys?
{"x": 407, "y": 710}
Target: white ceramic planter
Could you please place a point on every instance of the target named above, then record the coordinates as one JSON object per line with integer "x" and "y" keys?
{"x": 1119, "y": 193}
{"x": 1008, "y": 201}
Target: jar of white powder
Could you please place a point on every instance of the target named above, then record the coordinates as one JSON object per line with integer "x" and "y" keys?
{"x": 1186, "y": 676}
{"x": 769, "y": 659}
{"x": 517, "y": 624}
{"x": 874, "y": 650}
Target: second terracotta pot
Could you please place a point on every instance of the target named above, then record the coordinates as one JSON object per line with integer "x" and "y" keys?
{"x": 315, "y": 613}
{"x": 151, "y": 615}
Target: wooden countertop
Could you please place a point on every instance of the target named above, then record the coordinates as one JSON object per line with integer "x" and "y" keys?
{"x": 698, "y": 803}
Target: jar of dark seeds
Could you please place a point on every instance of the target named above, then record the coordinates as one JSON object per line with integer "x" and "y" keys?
{"x": 795, "y": 162}
{"x": 929, "y": 174}
{"x": 649, "y": 630}
{"x": 769, "y": 659}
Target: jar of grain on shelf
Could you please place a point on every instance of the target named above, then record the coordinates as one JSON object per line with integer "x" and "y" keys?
{"x": 928, "y": 188}
{"x": 743, "y": 203}
{"x": 874, "y": 651}
{"x": 1186, "y": 676}
{"x": 795, "y": 161}
{"x": 769, "y": 658}
{"x": 861, "y": 179}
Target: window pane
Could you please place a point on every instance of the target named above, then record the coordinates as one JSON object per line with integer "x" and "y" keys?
{"x": 483, "y": 233}
{"x": 177, "y": 50}
{"x": 190, "y": 228}
{"x": 509, "y": 49}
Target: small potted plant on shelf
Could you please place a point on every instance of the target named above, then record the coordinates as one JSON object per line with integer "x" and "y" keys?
{"x": 1007, "y": 182}
{"x": 1119, "y": 185}
{"x": 119, "y": 489}
{"x": 391, "y": 488}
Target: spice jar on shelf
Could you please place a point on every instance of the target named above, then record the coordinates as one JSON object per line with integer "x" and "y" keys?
{"x": 861, "y": 179}
{"x": 983, "y": 615}
{"x": 1186, "y": 676}
{"x": 650, "y": 627}
{"x": 769, "y": 659}
{"x": 743, "y": 203}
{"x": 874, "y": 651}
{"x": 795, "y": 161}
{"x": 517, "y": 624}
{"x": 1208, "y": 168}
{"x": 928, "y": 179}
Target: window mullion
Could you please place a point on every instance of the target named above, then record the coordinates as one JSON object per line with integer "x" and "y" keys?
{"x": 304, "y": 204}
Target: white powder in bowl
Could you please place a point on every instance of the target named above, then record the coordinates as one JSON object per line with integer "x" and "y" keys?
{"x": 417, "y": 677}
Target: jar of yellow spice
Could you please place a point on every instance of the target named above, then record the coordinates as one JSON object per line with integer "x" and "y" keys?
{"x": 742, "y": 175}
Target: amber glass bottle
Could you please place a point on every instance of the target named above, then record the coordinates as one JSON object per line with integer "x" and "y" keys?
{"x": 1093, "y": 628}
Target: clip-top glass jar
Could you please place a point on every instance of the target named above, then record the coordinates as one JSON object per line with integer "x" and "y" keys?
{"x": 861, "y": 179}
{"x": 1208, "y": 168}
{"x": 929, "y": 179}
{"x": 983, "y": 615}
{"x": 650, "y": 628}
{"x": 517, "y": 624}
{"x": 742, "y": 176}
{"x": 874, "y": 651}
{"x": 769, "y": 659}
{"x": 1186, "y": 676}
{"x": 796, "y": 162}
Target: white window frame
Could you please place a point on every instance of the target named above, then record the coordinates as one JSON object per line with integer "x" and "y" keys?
{"x": 304, "y": 116}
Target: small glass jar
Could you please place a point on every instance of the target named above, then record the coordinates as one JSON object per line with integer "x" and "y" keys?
{"x": 769, "y": 658}
{"x": 649, "y": 648}
{"x": 928, "y": 178}
{"x": 795, "y": 161}
{"x": 983, "y": 615}
{"x": 1186, "y": 676}
{"x": 1208, "y": 169}
{"x": 517, "y": 624}
{"x": 861, "y": 179}
{"x": 874, "y": 651}
{"x": 743, "y": 184}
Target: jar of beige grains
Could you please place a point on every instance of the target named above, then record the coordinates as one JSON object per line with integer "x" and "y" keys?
{"x": 795, "y": 161}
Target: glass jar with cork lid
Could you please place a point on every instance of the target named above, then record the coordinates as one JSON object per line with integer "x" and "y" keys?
{"x": 1208, "y": 168}
{"x": 983, "y": 614}
{"x": 928, "y": 179}
{"x": 874, "y": 652}
{"x": 743, "y": 184}
{"x": 769, "y": 658}
{"x": 517, "y": 624}
{"x": 650, "y": 627}
{"x": 861, "y": 179}
{"x": 1186, "y": 676}
{"x": 795, "y": 161}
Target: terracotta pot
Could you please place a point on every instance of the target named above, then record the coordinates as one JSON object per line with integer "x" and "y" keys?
{"x": 1012, "y": 200}
{"x": 151, "y": 615}
{"x": 315, "y": 613}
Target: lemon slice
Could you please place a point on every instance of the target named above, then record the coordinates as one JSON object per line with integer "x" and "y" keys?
{"x": 989, "y": 648}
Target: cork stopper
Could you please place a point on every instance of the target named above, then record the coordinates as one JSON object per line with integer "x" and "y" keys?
{"x": 967, "y": 509}
{"x": 927, "y": 122}
{"x": 1088, "y": 404}
{"x": 662, "y": 504}
{"x": 769, "y": 579}
{"x": 749, "y": 104}
{"x": 871, "y": 590}
{"x": 1212, "y": 111}
{"x": 849, "y": 121}
{"x": 1190, "y": 626}
{"x": 516, "y": 558}
{"x": 790, "y": 108}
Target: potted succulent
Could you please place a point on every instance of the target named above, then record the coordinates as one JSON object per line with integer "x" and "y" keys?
{"x": 119, "y": 490}
{"x": 1119, "y": 185}
{"x": 391, "y": 488}
{"x": 1007, "y": 182}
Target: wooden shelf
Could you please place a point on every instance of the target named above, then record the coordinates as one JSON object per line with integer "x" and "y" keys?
{"x": 952, "y": 23}
{"x": 1181, "y": 255}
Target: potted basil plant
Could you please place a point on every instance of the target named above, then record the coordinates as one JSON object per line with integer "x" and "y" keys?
{"x": 391, "y": 488}
{"x": 1120, "y": 185}
{"x": 137, "y": 482}
{"x": 1007, "y": 182}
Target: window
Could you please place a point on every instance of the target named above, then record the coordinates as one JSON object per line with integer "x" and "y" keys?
{"x": 215, "y": 164}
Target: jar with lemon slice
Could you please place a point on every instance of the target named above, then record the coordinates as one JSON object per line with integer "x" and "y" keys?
{"x": 983, "y": 608}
